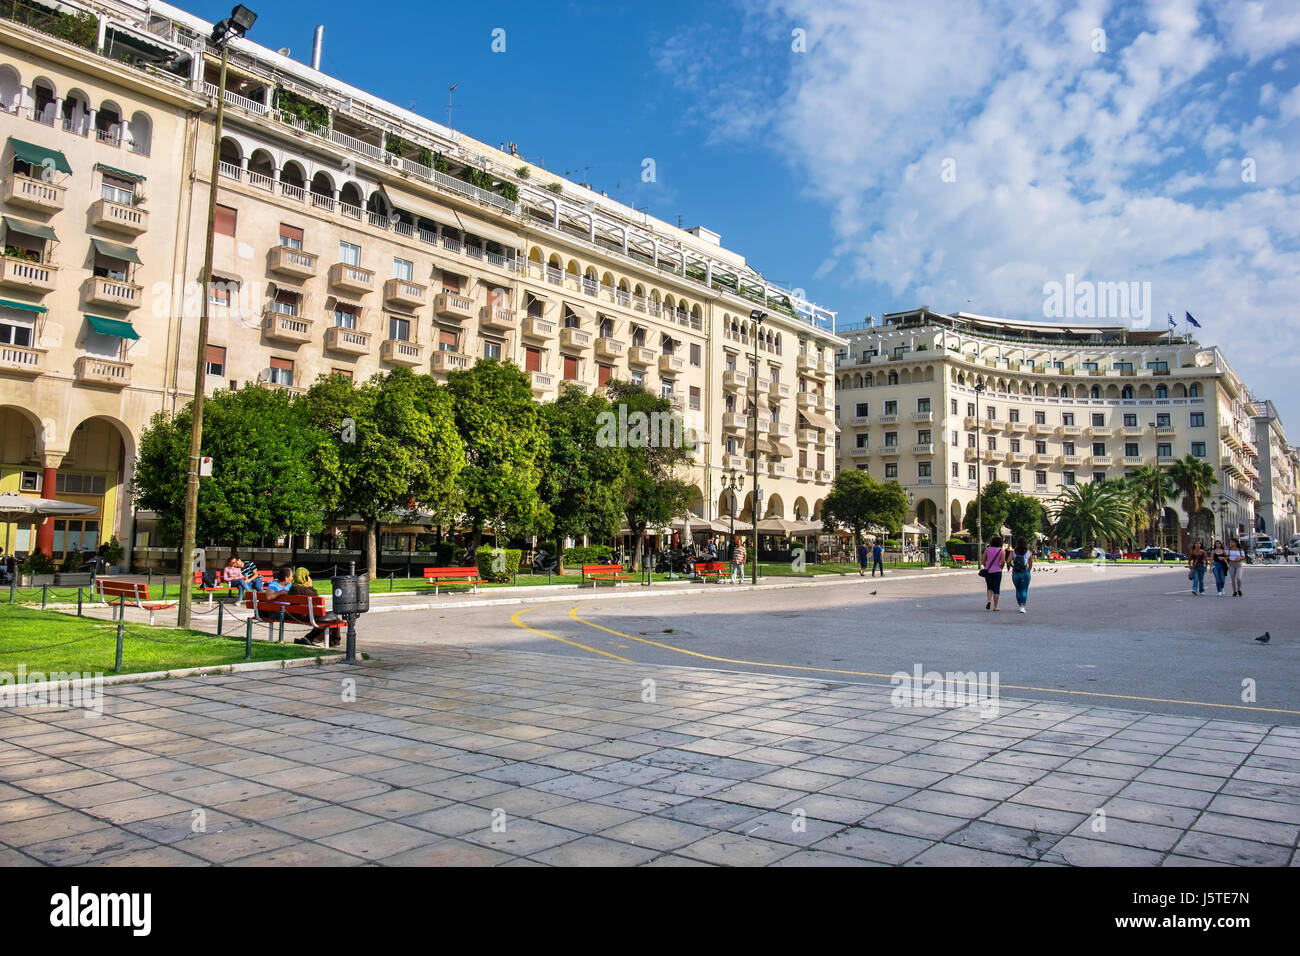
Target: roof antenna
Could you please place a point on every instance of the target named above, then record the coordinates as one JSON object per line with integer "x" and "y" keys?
{"x": 317, "y": 41}
{"x": 450, "y": 90}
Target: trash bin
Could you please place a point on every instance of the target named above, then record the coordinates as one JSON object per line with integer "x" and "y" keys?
{"x": 351, "y": 599}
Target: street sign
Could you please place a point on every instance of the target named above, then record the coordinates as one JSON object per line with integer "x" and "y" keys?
{"x": 205, "y": 466}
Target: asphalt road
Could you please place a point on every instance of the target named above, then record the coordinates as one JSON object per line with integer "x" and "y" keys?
{"x": 1130, "y": 638}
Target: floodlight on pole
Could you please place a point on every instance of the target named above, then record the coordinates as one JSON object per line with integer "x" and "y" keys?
{"x": 757, "y": 315}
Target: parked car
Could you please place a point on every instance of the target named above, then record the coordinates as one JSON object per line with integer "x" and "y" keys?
{"x": 1262, "y": 545}
{"x": 1152, "y": 553}
{"x": 1096, "y": 553}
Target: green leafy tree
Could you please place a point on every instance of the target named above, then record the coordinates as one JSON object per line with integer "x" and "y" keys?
{"x": 653, "y": 492}
{"x": 1089, "y": 512}
{"x": 857, "y": 501}
{"x": 393, "y": 448}
{"x": 997, "y": 505}
{"x": 1024, "y": 516}
{"x": 263, "y": 484}
{"x": 583, "y": 478}
{"x": 505, "y": 446}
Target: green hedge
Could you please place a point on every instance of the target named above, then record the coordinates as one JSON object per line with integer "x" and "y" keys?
{"x": 892, "y": 545}
{"x": 955, "y": 544}
{"x": 484, "y": 561}
{"x": 593, "y": 554}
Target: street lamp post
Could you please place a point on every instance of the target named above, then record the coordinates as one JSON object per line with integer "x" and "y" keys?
{"x": 758, "y": 316}
{"x": 735, "y": 483}
{"x": 979, "y": 464}
{"x": 236, "y": 25}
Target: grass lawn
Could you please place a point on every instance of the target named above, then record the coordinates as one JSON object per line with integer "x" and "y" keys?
{"x": 52, "y": 641}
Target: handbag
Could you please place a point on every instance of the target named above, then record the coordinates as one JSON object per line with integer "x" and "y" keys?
{"x": 984, "y": 572}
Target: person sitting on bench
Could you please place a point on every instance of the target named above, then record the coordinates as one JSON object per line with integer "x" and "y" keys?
{"x": 302, "y": 585}
{"x": 282, "y": 582}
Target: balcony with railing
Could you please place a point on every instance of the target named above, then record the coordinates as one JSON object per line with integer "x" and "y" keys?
{"x": 970, "y": 422}
{"x": 21, "y": 360}
{"x": 286, "y": 328}
{"x": 1132, "y": 431}
{"x": 1019, "y": 457}
{"x": 923, "y": 416}
{"x": 536, "y": 328}
{"x": 887, "y": 419}
{"x": 498, "y": 319}
{"x": 107, "y": 214}
{"x": 860, "y": 451}
{"x": 291, "y": 262}
{"x": 452, "y": 305}
{"x": 1068, "y": 460}
{"x": 923, "y": 448}
{"x": 778, "y": 429}
{"x": 349, "y": 278}
{"x": 610, "y": 348}
{"x": 860, "y": 421}
{"x": 671, "y": 365}
{"x": 890, "y": 451}
{"x": 1166, "y": 430}
{"x": 20, "y": 190}
{"x": 1133, "y": 461}
{"x": 778, "y": 391}
{"x": 972, "y": 454}
{"x": 824, "y": 476}
{"x": 640, "y": 356}
{"x": 34, "y": 277}
{"x": 775, "y": 469}
{"x": 92, "y": 370}
{"x": 1074, "y": 430}
{"x": 102, "y": 290}
{"x": 735, "y": 421}
{"x": 541, "y": 382}
{"x": 448, "y": 361}
{"x": 1041, "y": 428}
{"x": 574, "y": 339}
{"x": 1100, "y": 461}
{"x": 1101, "y": 431}
{"x": 401, "y": 352}
{"x": 404, "y": 293}
{"x": 733, "y": 379}
{"x": 339, "y": 338}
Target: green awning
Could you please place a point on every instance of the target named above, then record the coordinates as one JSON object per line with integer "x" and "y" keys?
{"x": 114, "y": 327}
{"x": 119, "y": 172}
{"x": 37, "y": 155}
{"x": 114, "y": 251}
{"x": 30, "y": 228}
{"x": 24, "y": 306}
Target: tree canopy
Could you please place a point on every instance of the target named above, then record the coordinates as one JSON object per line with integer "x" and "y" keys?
{"x": 857, "y": 501}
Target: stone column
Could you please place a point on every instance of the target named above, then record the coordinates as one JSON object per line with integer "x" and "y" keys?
{"x": 45, "y": 530}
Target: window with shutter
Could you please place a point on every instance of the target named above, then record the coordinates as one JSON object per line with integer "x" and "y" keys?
{"x": 532, "y": 360}
{"x": 603, "y": 374}
{"x": 570, "y": 368}
{"x": 224, "y": 223}
{"x": 215, "y": 362}
{"x": 290, "y": 236}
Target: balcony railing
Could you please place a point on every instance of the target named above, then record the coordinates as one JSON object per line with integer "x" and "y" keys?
{"x": 447, "y": 361}
{"x": 36, "y": 277}
{"x": 21, "y": 360}
{"x": 23, "y": 190}
{"x": 102, "y": 290}
{"x": 400, "y": 352}
{"x": 860, "y": 421}
{"x": 451, "y": 305}
{"x": 351, "y": 278}
{"x": 887, "y": 419}
{"x": 574, "y": 339}
{"x": 775, "y": 469}
{"x": 115, "y": 215}
{"x": 923, "y": 448}
{"x": 499, "y": 319}
{"x": 234, "y": 99}
{"x": 923, "y": 416}
{"x": 805, "y": 473}
{"x": 1071, "y": 429}
{"x": 824, "y": 476}
{"x": 404, "y": 292}
{"x": 778, "y": 429}
{"x": 778, "y": 391}
{"x": 735, "y": 421}
{"x": 291, "y": 262}
{"x": 541, "y": 382}
{"x": 339, "y": 338}
{"x": 671, "y": 365}
{"x": 891, "y": 451}
{"x": 734, "y": 379}
{"x": 859, "y": 451}
{"x": 640, "y": 356}
{"x": 91, "y": 370}
{"x": 536, "y": 328}
{"x": 609, "y": 347}
{"x": 286, "y": 328}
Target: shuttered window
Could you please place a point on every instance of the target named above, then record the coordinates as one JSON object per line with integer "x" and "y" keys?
{"x": 290, "y": 236}
{"x": 225, "y": 221}
{"x": 603, "y": 374}
{"x": 532, "y": 360}
{"x": 215, "y": 361}
{"x": 570, "y": 368}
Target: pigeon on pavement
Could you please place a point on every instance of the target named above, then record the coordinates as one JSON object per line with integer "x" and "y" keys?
{"x": 1264, "y": 638}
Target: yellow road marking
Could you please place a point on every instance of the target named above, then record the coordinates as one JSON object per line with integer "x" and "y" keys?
{"x": 514, "y": 619}
{"x": 573, "y": 613}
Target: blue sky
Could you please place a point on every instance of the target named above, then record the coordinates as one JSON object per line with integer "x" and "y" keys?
{"x": 951, "y": 153}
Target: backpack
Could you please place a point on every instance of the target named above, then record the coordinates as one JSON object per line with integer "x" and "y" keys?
{"x": 1019, "y": 564}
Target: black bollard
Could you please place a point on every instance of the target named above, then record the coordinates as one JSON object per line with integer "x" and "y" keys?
{"x": 221, "y": 607}
{"x": 117, "y": 661}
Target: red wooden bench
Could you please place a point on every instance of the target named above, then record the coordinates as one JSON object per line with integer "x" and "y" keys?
{"x": 130, "y": 594}
{"x": 436, "y": 576}
{"x": 716, "y": 568}
{"x": 604, "y": 572}
{"x": 1132, "y": 556}
{"x": 959, "y": 558}
{"x": 281, "y": 607}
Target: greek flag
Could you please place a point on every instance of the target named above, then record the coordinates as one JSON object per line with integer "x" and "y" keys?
{"x": 1172, "y": 323}
{"x": 1191, "y": 320}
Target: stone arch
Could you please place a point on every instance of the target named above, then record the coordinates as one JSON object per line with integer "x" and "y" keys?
{"x": 817, "y": 509}
{"x": 893, "y": 378}
{"x": 139, "y": 132}
{"x": 775, "y": 507}
{"x": 800, "y": 509}
{"x": 1112, "y": 391}
{"x": 322, "y": 184}
{"x": 1094, "y": 391}
{"x": 261, "y": 161}
{"x": 1194, "y": 390}
{"x": 11, "y": 88}
{"x": 1144, "y": 391}
{"x": 108, "y": 120}
{"x": 43, "y": 94}
{"x": 1126, "y": 393}
{"x": 294, "y": 174}
{"x": 1162, "y": 391}
{"x": 76, "y": 112}
{"x": 351, "y": 194}
{"x": 1180, "y": 390}
{"x": 954, "y": 516}
{"x": 232, "y": 151}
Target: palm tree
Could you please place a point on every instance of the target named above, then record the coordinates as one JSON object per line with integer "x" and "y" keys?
{"x": 1193, "y": 478}
{"x": 1090, "y": 511}
{"x": 1155, "y": 488}
{"x": 1139, "y": 518}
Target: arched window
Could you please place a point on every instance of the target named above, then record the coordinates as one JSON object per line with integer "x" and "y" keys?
{"x": 1194, "y": 390}
{"x": 1094, "y": 392}
{"x": 140, "y": 133}
{"x": 1162, "y": 391}
{"x": 893, "y": 378}
{"x": 870, "y": 381}
{"x": 1127, "y": 392}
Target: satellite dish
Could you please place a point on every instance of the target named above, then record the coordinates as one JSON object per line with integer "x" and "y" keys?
{"x": 394, "y": 219}
{"x": 283, "y": 51}
{"x": 263, "y": 376}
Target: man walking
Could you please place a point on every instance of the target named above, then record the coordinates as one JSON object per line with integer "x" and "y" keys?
{"x": 738, "y": 562}
{"x": 863, "y": 554}
{"x": 877, "y": 556}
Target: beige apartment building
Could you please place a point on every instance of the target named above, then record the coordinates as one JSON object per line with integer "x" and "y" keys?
{"x": 1060, "y": 403}
{"x": 352, "y": 237}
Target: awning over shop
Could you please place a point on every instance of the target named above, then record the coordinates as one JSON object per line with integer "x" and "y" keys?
{"x": 579, "y": 311}
{"x": 817, "y": 420}
{"x": 114, "y": 251}
{"x": 476, "y": 227}
{"x": 114, "y": 327}
{"x": 425, "y": 209}
{"x": 784, "y": 450}
{"x": 22, "y": 306}
{"x": 30, "y": 228}
{"x": 37, "y": 155}
{"x": 104, "y": 167}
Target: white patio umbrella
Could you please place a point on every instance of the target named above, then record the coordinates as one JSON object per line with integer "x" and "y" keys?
{"x": 778, "y": 526}
{"x": 21, "y": 507}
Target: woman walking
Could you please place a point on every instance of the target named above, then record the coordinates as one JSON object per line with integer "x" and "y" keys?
{"x": 992, "y": 562}
{"x": 1196, "y": 562}
{"x": 1022, "y": 563}
{"x": 1236, "y": 560}
{"x": 1219, "y": 564}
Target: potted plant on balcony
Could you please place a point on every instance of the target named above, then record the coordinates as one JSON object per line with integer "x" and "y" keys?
{"x": 36, "y": 570}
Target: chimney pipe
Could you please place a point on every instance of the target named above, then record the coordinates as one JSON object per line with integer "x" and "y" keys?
{"x": 316, "y": 42}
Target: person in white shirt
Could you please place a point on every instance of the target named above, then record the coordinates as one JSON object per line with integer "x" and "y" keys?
{"x": 1236, "y": 560}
